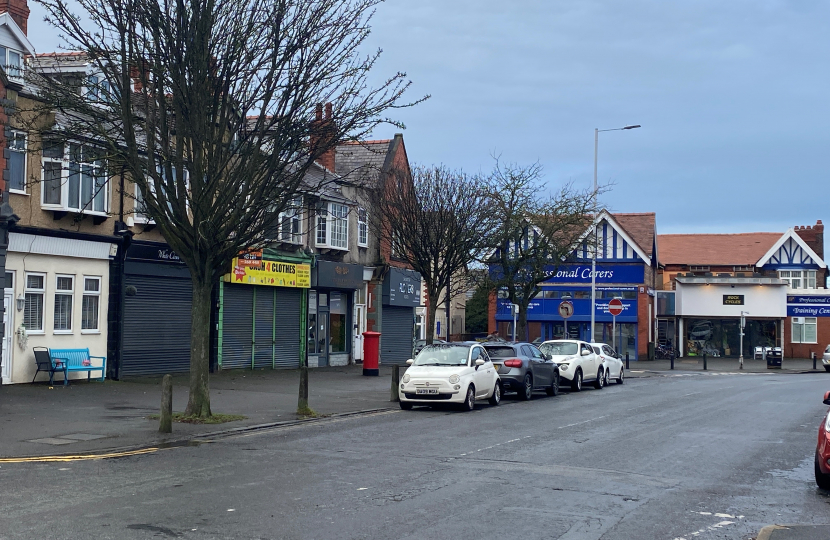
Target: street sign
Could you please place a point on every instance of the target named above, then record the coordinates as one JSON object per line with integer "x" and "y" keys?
{"x": 566, "y": 309}
{"x": 615, "y": 307}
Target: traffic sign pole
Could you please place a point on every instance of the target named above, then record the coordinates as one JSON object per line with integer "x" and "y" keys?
{"x": 615, "y": 307}
{"x": 614, "y": 333}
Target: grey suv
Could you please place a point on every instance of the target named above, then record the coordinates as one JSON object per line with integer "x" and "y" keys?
{"x": 523, "y": 368}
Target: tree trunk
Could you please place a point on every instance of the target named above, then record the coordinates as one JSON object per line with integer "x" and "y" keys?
{"x": 198, "y": 402}
{"x": 433, "y": 308}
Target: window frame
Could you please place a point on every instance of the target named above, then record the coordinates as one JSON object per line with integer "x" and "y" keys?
{"x": 71, "y": 295}
{"x": 15, "y": 72}
{"x": 330, "y": 216}
{"x": 33, "y": 291}
{"x": 92, "y": 294}
{"x": 362, "y": 227}
{"x": 803, "y": 322}
{"x": 292, "y": 217}
{"x": 11, "y": 146}
{"x": 66, "y": 170}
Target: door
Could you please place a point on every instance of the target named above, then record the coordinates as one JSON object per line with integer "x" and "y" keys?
{"x": 484, "y": 374}
{"x": 323, "y": 339}
{"x": 543, "y": 367}
{"x": 6, "y": 360}
{"x": 359, "y": 328}
{"x": 590, "y": 363}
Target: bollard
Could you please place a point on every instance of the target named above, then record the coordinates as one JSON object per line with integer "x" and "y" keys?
{"x": 626, "y": 360}
{"x": 814, "y": 359}
{"x": 672, "y": 360}
{"x": 395, "y": 381}
{"x": 704, "y": 361}
{"x": 166, "y": 416}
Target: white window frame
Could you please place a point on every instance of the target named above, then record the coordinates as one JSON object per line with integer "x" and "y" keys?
{"x": 91, "y": 294}
{"x": 290, "y": 222}
{"x": 66, "y": 164}
{"x": 63, "y": 292}
{"x": 799, "y": 330}
{"x": 14, "y": 280}
{"x": 13, "y": 71}
{"x": 332, "y": 219}
{"x": 798, "y": 279}
{"x": 11, "y": 145}
{"x": 140, "y": 217}
{"x": 362, "y": 227}
{"x": 33, "y": 291}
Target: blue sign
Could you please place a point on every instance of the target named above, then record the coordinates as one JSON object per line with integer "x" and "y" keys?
{"x": 814, "y": 300}
{"x": 808, "y": 311}
{"x": 547, "y": 309}
{"x": 581, "y": 273}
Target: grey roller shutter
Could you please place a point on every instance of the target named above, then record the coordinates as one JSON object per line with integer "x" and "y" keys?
{"x": 264, "y": 328}
{"x": 237, "y": 326}
{"x": 396, "y": 335}
{"x": 287, "y": 331}
{"x": 156, "y": 326}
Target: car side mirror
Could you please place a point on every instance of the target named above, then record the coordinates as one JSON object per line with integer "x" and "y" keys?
{"x": 827, "y": 398}
{"x": 410, "y": 361}
{"x": 479, "y": 362}
{"x": 586, "y": 353}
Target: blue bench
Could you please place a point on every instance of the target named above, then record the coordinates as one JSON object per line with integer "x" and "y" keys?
{"x": 66, "y": 361}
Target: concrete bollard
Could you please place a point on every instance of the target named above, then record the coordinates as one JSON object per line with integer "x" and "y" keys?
{"x": 704, "y": 362}
{"x": 626, "y": 360}
{"x": 166, "y": 416}
{"x": 396, "y": 378}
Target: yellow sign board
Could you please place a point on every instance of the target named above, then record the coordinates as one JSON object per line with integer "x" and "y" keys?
{"x": 272, "y": 273}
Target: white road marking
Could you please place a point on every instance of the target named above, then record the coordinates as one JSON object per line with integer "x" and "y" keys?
{"x": 361, "y": 489}
{"x": 691, "y": 394}
{"x": 725, "y": 516}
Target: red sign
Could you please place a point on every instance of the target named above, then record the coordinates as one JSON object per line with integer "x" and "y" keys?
{"x": 615, "y": 307}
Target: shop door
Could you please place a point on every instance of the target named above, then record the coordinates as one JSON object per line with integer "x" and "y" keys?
{"x": 6, "y": 373}
{"x": 323, "y": 339}
{"x": 359, "y": 328}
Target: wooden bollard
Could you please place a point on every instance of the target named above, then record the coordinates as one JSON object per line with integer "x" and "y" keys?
{"x": 166, "y": 416}
{"x": 396, "y": 379}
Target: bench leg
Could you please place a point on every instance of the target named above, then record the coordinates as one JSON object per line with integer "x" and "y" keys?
{"x": 65, "y": 377}
{"x": 36, "y": 372}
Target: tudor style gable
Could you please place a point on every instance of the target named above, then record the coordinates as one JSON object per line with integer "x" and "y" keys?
{"x": 791, "y": 251}
{"x": 619, "y": 238}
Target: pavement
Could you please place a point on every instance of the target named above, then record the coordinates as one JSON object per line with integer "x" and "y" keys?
{"x": 39, "y": 420}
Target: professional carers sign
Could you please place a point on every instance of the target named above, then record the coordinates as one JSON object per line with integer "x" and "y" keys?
{"x": 581, "y": 273}
{"x": 808, "y": 306}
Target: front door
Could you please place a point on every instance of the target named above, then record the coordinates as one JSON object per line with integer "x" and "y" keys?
{"x": 323, "y": 338}
{"x": 359, "y": 328}
{"x": 6, "y": 360}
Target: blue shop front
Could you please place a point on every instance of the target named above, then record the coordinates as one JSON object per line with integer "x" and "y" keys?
{"x": 572, "y": 283}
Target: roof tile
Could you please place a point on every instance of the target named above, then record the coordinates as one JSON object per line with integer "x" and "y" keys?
{"x": 744, "y": 249}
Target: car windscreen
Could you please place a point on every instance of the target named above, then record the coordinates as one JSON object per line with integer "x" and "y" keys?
{"x": 559, "y": 348}
{"x": 442, "y": 355}
{"x": 500, "y": 352}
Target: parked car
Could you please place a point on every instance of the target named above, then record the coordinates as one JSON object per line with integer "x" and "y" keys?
{"x": 450, "y": 373}
{"x": 523, "y": 368}
{"x": 420, "y": 343}
{"x": 612, "y": 361}
{"x": 823, "y": 449}
{"x": 577, "y": 362}
{"x": 825, "y": 359}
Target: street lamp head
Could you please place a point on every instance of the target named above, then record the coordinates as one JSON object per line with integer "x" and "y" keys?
{"x": 632, "y": 127}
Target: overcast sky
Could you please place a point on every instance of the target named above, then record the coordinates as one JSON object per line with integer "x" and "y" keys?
{"x": 732, "y": 96}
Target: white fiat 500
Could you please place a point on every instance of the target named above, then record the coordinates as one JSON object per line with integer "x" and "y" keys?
{"x": 450, "y": 373}
{"x": 577, "y": 362}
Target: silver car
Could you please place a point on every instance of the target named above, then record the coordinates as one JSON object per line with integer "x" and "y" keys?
{"x": 825, "y": 359}
{"x": 523, "y": 368}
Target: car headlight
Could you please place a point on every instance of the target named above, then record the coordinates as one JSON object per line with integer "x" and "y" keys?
{"x": 563, "y": 367}
{"x": 827, "y": 423}
{"x": 405, "y": 378}
{"x": 454, "y": 379}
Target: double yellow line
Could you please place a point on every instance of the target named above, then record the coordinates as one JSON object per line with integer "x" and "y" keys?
{"x": 83, "y": 457}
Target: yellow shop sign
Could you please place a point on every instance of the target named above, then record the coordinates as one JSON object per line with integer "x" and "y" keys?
{"x": 273, "y": 273}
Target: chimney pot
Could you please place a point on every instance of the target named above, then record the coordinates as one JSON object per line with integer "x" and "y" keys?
{"x": 328, "y": 111}
{"x": 19, "y": 11}
{"x": 318, "y": 113}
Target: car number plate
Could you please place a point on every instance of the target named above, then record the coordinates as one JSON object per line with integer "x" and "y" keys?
{"x": 426, "y": 390}
{"x": 497, "y": 366}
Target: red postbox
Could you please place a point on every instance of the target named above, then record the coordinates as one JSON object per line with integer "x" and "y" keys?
{"x": 371, "y": 347}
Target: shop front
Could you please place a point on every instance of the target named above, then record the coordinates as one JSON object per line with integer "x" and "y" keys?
{"x": 330, "y": 312}
{"x": 807, "y": 330}
{"x": 262, "y": 311}
{"x": 401, "y": 297}
{"x": 710, "y": 312}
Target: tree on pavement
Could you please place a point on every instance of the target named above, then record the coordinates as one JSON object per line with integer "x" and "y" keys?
{"x": 437, "y": 220}
{"x": 209, "y": 107}
{"x": 533, "y": 233}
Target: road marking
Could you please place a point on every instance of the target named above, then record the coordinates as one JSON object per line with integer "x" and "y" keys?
{"x": 691, "y": 394}
{"x": 87, "y": 457}
{"x": 583, "y": 422}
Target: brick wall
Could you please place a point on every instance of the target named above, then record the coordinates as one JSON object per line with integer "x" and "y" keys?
{"x": 802, "y": 350}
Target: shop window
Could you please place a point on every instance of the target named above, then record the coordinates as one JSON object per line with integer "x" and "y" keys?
{"x": 804, "y": 330}
{"x": 337, "y": 323}
{"x": 312, "y": 323}
{"x": 17, "y": 162}
{"x": 90, "y": 304}
{"x": 33, "y": 304}
{"x": 64, "y": 290}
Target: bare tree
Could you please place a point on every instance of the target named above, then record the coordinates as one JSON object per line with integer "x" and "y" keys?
{"x": 534, "y": 233}
{"x": 209, "y": 107}
{"x": 437, "y": 220}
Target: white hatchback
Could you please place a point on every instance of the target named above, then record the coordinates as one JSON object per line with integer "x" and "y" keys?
{"x": 612, "y": 360}
{"x": 450, "y": 373}
{"x": 577, "y": 362}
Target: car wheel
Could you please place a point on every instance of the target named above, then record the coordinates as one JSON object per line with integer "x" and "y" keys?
{"x": 621, "y": 378}
{"x": 470, "y": 401}
{"x": 495, "y": 399}
{"x": 822, "y": 480}
{"x": 600, "y": 379}
{"x": 607, "y": 380}
{"x": 826, "y": 368}
{"x": 576, "y": 383}
{"x": 554, "y": 386}
{"x": 406, "y": 406}
{"x": 526, "y": 392}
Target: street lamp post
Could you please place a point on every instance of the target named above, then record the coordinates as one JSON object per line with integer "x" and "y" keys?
{"x": 596, "y": 241}
{"x": 743, "y": 324}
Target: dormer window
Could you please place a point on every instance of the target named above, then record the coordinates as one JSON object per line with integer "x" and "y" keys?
{"x": 12, "y": 62}
{"x": 97, "y": 88}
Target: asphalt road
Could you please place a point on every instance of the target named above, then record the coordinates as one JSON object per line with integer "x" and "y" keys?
{"x": 657, "y": 458}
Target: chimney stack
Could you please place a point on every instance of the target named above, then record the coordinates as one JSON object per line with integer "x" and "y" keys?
{"x": 813, "y": 236}
{"x": 19, "y": 11}
{"x": 322, "y": 128}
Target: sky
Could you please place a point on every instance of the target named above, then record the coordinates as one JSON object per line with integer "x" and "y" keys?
{"x": 732, "y": 97}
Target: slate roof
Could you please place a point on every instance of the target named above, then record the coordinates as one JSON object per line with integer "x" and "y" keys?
{"x": 640, "y": 227}
{"x": 362, "y": 158}
{"x": 744, "y": 249}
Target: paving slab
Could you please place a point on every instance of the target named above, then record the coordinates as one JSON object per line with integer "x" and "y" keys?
{"x": 51, "y": 440}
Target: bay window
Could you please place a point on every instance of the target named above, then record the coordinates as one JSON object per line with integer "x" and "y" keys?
{"x": 332, "y": 225}
{"x": 74, "y": 178}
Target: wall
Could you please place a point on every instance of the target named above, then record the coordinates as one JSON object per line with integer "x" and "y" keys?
{"x": 803, "y": 350}
{"x": 23, "y": 365}
{"x": 700, "y": 300}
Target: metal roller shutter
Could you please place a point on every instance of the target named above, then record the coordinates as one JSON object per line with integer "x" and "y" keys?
{"x": 264, "y": 327}
{"x": 156, "y": 326}
{"x": 237, "y": 326}
{"x": 287, "y": 331}
{"x": 396, "y": 335}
